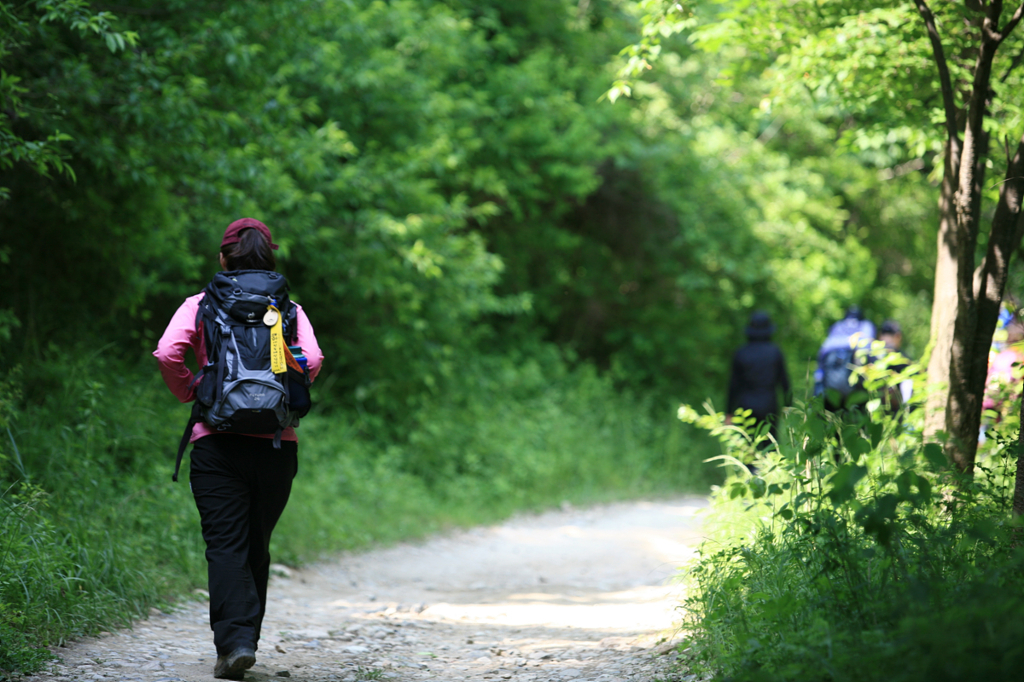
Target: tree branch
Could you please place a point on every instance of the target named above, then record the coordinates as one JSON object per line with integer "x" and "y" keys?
{"x": 1012, "y": 24}
{"x": 948, "y": 105}
{"x": 1005, "y": 238}
{"x": 1013, "y": 65}
{"x": 140, "y": 11}
{"x": 975, "y": 143}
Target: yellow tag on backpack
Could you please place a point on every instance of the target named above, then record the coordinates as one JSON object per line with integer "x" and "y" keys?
{"x": 278, "y": 364}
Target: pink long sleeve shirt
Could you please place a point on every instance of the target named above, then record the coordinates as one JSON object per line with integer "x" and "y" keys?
{"x": 182, "y": 334}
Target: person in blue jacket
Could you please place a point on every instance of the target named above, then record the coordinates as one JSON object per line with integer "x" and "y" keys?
{"x": 844, "y": 350}
{"x": 759, "y": 373}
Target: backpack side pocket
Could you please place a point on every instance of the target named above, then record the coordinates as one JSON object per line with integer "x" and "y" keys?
{"x": 299, "y": 400}
{"x": 206, "y": 386}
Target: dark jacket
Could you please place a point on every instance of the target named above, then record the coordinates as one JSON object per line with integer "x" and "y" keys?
{"x": 758, "y": 372}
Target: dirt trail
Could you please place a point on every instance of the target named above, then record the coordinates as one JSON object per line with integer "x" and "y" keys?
{"x": 575, "y": 594}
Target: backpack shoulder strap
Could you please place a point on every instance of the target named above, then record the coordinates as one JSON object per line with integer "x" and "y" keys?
{"x": 204, "y": 322}
{"x": 193, "y": 419}
{"x": 212, "y": 318}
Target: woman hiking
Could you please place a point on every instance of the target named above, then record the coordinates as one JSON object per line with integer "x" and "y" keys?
{"x": 240, "y": 481}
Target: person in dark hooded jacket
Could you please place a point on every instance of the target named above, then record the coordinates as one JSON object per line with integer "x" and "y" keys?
{"x": 758, "y": 373}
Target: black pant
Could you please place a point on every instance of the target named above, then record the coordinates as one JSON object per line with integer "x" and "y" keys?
{"x": 241, "y": 485}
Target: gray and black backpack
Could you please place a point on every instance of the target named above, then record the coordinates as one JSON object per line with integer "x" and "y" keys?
{"x": 246, "y": 317}
{"x": 837, "y": 367}
{"x": 843, "y": 352}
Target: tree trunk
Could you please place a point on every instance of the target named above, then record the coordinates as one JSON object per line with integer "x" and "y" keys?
{"x": 944, "y": 300}
{"x": 963, "y": 402}
{"x": 978, "y": 293}
{"x": 991, "y": 276}
{"x": 944, "y": 305}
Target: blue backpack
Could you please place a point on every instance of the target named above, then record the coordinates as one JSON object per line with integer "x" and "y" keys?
{"x": 842, "y": 352}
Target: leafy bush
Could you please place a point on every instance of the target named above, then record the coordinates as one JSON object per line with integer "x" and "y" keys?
{"x": 854, "y": 554}
{"x": 90, "y": 541}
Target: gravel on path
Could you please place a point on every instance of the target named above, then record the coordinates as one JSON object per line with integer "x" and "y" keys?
{"x": 581, "y": 595}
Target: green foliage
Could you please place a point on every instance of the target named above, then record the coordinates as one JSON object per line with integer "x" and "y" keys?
{"x": 72, "y": 562}
{"x": 369, "y": 673}
{"x": 204, "y": 137}
{"x": 442, "y": 174}
{"x": 868, "y": 66}
{"x": 854, "y": 554}
{"x": 870, "y": 61}
{"x": 509, "y": 275}
{"x": 45, "y": 153}
{"x": 659, "y": 19}
{"x": 18, "y": 650}
{"x": 828, "y": 222}
{"x": 90, "y": 541}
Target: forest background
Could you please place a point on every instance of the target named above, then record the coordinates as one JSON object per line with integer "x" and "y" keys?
{"x": 515, "y": 281}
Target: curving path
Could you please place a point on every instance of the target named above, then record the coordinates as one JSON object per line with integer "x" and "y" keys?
{"x": 574, "y": 594}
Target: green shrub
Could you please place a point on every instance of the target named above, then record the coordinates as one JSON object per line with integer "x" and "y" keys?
{"x": 92, "y": 535}
{"x": 855, "y": 554}
{"x": 24, "y": 567}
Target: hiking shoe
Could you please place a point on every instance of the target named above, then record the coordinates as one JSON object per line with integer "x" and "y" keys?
{"x": 234, "y": 665}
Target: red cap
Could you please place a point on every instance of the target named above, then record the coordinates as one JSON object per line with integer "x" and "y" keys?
{"x": 231, "y": 234}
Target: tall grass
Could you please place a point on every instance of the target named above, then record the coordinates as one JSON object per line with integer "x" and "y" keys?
{"x": 96, "y": 533}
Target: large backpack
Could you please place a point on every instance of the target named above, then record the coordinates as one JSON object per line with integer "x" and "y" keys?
{"x": 251, "y": 383}
{"x": 842, "y": 352}
{"x": 837, "y": 367}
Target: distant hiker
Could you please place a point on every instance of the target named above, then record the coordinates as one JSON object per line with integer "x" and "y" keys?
{"x": 891, "y": 334}
{"x": 1001, "y": 386}
{"x": 245, "y": 450}
{"x": 759, "y": 373}
{"x": 844, "y": 349}
{"x": 1006, "y": 316}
